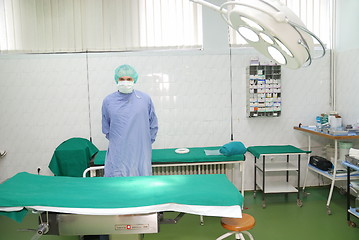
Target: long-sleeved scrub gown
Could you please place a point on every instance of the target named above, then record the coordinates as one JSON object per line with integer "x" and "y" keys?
{"x": 130, "y": 124}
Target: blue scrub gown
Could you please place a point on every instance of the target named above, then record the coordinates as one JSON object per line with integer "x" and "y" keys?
{"x": 130, "y": 124}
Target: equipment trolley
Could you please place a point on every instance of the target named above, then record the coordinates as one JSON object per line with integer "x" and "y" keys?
{"x": 265, "y": 167}
{"x": 351, "y": 210}
{"x": 331, "y": 176}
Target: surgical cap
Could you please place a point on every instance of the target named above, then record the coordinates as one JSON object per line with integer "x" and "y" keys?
{"x": 125, "y": 70}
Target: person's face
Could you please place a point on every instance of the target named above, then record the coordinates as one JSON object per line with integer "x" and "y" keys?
{"x": 126, "y": 78}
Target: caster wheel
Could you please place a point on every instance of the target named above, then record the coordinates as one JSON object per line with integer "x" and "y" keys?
{"x": 329, "y": 212}
{"x": 342, "y": 191}
{"x": 299, "y": 203}
{"x": 254, "y": 195}
{"x": 352, "y": 224}
{"x": 305, "y": 194}
{"x": 264, "y": 205}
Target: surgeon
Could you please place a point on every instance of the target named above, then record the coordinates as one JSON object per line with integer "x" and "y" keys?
{"x": 130, "y": 124}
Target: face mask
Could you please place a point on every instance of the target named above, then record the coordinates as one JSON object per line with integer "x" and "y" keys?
{"x": 125, "y": 86}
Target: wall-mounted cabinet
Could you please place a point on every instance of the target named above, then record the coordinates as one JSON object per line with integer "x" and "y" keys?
{"x": 264, "y": 95}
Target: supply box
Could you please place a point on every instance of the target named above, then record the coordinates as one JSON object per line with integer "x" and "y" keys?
{"x": 264, "y": 91}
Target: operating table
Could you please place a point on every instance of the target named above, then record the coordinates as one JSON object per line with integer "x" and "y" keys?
{"x": 88, "y": 206}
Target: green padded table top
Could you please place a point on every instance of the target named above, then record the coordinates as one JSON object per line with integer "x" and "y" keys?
{"x": 168, "y": 155}
{"x": 257, "y": 151}
{"x": 211, "y": 195}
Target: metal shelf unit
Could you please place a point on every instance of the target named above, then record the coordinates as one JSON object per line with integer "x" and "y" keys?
{"x": 266, "y": 167}
{"x": 279, "y": 186}
{"x": 351, "y": 210}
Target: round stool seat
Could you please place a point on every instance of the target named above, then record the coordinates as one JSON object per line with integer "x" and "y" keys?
{"x": 239, "y": 224}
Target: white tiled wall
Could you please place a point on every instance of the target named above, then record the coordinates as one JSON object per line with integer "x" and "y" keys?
{"x": 190, "y": 93}
{"x": 348, "y": 86}
{"x": 305, "y": 93}
{"x": 45, "y": 100}
{"x": 347, "y": 62}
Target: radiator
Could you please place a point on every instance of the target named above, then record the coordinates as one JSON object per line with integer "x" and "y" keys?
{"x": 183, "y": 169}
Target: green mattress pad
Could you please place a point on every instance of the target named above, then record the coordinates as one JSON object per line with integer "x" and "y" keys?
{"x": 257, "y": 151}
{"x": 168, "y": 155}
{"x": 26, "y": 190}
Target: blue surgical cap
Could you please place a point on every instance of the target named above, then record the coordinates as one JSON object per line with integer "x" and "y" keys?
{"x": 125, "y": 70}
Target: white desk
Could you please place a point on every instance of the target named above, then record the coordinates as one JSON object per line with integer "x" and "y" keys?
{"x": 333, "y": 177}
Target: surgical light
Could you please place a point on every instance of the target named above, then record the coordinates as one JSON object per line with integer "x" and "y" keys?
{"x": 272, "y": 29}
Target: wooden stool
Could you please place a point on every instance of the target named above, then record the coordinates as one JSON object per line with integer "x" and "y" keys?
{"x": 238, "y": 226}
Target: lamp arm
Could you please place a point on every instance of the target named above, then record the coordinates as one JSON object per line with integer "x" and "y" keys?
{"x": 296, "y": 26}
{"x": 279, "y": 17}
{"x": 267, "y": 3}
{"x": 210, "y": 5}
{"x": 251, "y": 6}
{"x": 304, "y": 44}
{"x": 225, "y": 11}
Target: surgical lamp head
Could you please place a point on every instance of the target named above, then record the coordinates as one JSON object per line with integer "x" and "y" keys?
{"x": 125, "y": 70}
{"x": 272, "y": 29}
